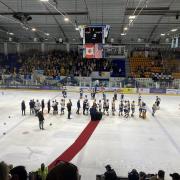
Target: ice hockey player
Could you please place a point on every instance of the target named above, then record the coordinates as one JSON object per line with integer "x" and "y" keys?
{"x": 41, "y": 120}
{"x": 31, "y": 106}
{"x": 78, "y": 106}
{"x": 158, "y": 100}
{"x": 107, "y": 107}
{"x": 100, "y": 106}
{"x": 115, "y": 94}
{"x": 23, "y": 108}
{"x": 144, "y": 109}
{"x": 64, "y": 92}
{"x": 49, "y": 106}
{"x": 121, "y": 105}
{"x": 104, "y": 106}
{"x": 104, "y": 96}
{"x": 122, "y": 97}
{"x": 69, "y": 106}
{"x": 81, "y": 93}
{"x": 139, "y": 100}
{"x": 154, "y": 109}
{"x": 55, "y": 107}
{"x": 94, "y": 93}
{"x": 126, "y": 109}
{"x": 62, "y": 106}
{"x": 85, "y": 98}
{"x": 37, "y": 107}
{"x": 87, "y": 107}
{"x": 94, "y": 103}
{"x": 113, "y": 107}
{"x": 132, "y": 108}
{"x": 84, "y": 105}
{"x": 140, "y": 110}
{"x": 42, "y": 105}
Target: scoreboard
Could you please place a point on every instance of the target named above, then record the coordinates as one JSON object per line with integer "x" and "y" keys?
{"x": 93, "y": 35}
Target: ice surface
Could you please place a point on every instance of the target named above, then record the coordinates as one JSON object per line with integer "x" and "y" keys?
{"x": 147, "y": 145}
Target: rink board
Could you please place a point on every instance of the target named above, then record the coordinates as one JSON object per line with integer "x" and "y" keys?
{"x": 99, "y": 89}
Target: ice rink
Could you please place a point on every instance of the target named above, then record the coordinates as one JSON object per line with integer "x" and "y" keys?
{"x": 147, "y": 145}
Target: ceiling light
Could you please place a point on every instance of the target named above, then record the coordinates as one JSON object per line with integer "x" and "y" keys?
{"x": 132, "y": 17}
{"x": 11, "y": 33}
{"x": 33, "y": 29}
{"x": 77, "y": 29}
{"x": 174, "y": 30}
{"x": 123, "y": 34}
{"x": 44, "y": 0}
{"x": 66, "y": 19}
{"x": 47, "y": 34}
{"x": 163, "y": 34}
{"x": 125, "y": 28}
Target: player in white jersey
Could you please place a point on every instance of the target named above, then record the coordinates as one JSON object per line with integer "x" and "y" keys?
{"x": 139, "y": 100}
{"x": 144, "y": 110}
{"x": 154, "y": 109}
{"x": 62, "y": 106}
{"x": 133, "y": 108}
{"x": 100, "y": 106}
{"x": 121, "y": 106}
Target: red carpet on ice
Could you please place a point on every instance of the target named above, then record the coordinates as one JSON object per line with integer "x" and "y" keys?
{"x": 76, "y": 147}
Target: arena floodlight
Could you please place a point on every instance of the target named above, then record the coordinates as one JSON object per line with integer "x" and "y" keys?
{"x": 47, "y": 34}
{"x": 132, "y": 17}
{"x": 163, "y": 34}
{"x": 44, "y": 0}
{"x": 33, "y": 29}
{"x": 11, "y": 33}
{"x": 66, "y": 19}
{"x": 125, "y": 28}
{"x": 174, "y": 30}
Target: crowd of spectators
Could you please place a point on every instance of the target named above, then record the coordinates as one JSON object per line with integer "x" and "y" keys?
{"x": 63, "y": 171}
{"x": 58, "y": 63}
{"x": 162, "y": 77}
{"x": 68, "y": 171}
{"x": 110, "y": 174}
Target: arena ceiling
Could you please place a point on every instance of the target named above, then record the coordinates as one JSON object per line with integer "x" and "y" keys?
{"x": 153, "y": 18}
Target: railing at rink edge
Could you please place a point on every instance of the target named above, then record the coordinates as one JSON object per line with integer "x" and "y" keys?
{"x": 51, "y": 84}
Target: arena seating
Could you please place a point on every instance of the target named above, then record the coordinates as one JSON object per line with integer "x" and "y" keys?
{"x": 143, "y": 67}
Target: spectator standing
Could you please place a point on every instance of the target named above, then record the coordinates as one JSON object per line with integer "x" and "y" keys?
{"x": 4, "y": 172}
{"x": 110, "y": 174}
{"x": 42, "y": 172}
{"x": 64, "y": 171}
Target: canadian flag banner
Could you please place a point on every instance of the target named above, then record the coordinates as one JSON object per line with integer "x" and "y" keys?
{"x": 90, "y": 51}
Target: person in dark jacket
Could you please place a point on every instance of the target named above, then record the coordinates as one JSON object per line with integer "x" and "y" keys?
{"x": 69, "y": 105}
{"x": 110, "y": 174}
{"x": 78, "y": 106}
{"x": 23, "y": 108}
{"x": 41, "y": 120}
{"x": 95, "y": 115}
{"x": 49, "y": 106}
{"x": 64, "y": 171}
{"x": 18, "y": 172}
{"x": 31, "y": 106}
{"x": 42, "y": 105}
